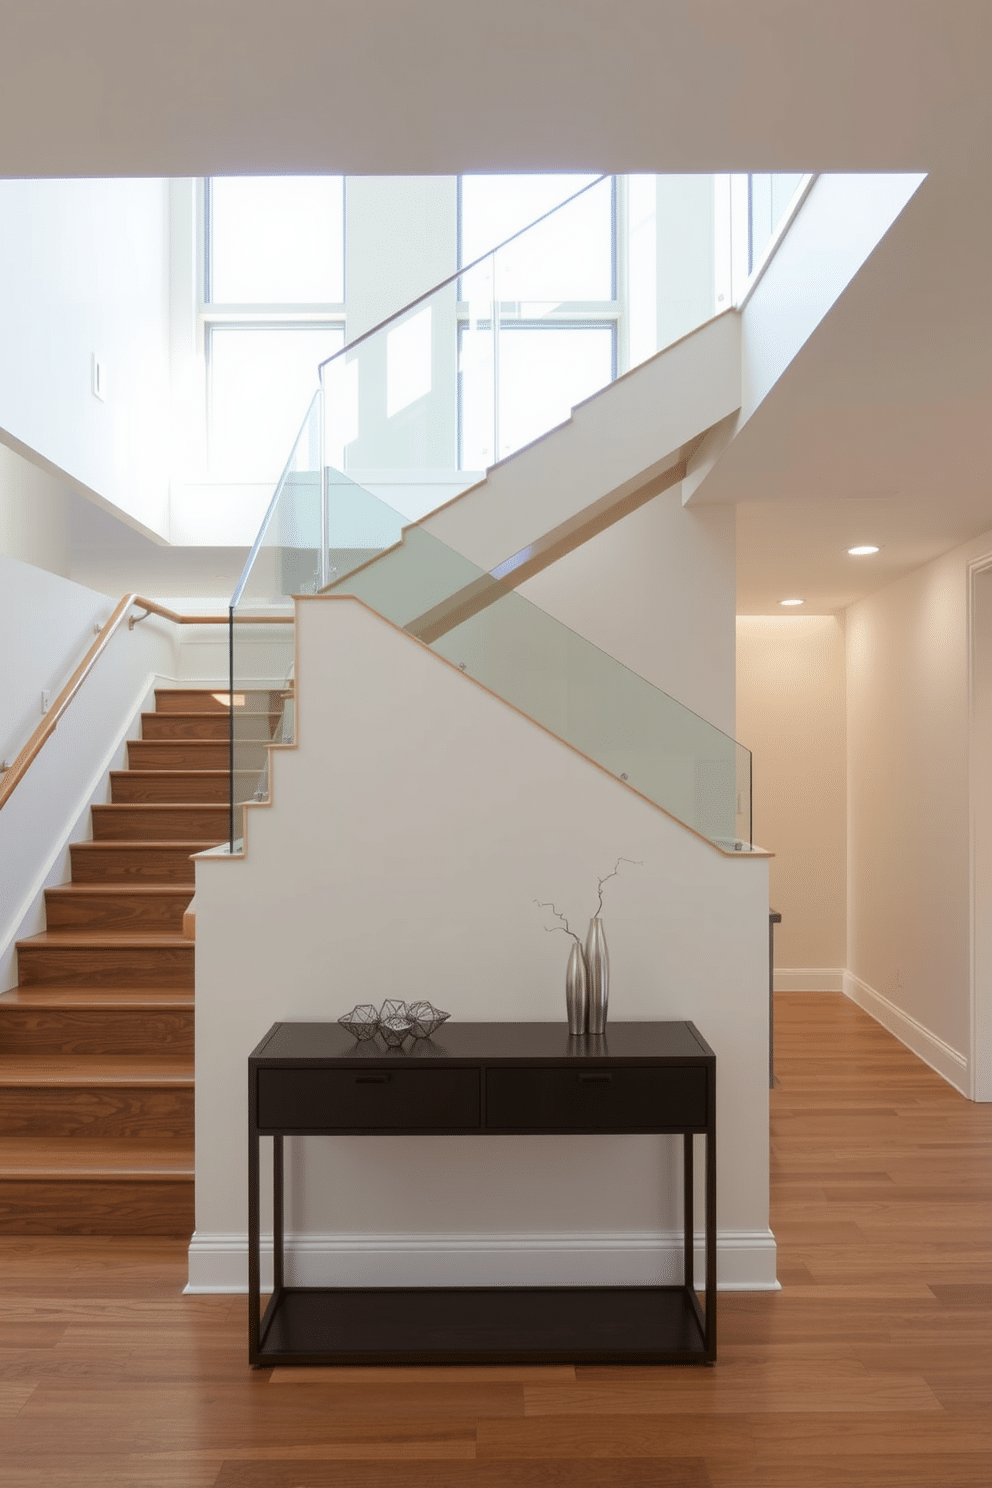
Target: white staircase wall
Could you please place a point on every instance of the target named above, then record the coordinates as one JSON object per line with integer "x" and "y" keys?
{"x": 409, "y": 834}
{"x": 840, "y": 223}
{"x": 615, "y": 442}
{"x": 84, "y": 274}
{"x": 53, "y": 620}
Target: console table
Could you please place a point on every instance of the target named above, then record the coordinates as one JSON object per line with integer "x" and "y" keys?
{"x": 312, "y": 1079}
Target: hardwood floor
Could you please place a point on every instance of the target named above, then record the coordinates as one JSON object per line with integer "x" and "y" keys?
{"x": 872, "y": 1368}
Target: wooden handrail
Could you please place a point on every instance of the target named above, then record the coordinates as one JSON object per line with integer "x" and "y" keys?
{"x": 45, "y": 729}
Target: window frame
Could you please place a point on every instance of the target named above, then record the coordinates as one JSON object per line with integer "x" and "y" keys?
{"x": 577, "y": 314}
{"x": 257, "y": 315}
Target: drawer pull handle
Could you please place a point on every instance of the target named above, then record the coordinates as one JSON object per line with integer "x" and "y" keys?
{"x": 599, "y": 1079}
{"x": 372, "y": 1079}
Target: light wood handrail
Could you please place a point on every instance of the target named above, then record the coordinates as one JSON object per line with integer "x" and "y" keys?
{"x": 45, "y": 729}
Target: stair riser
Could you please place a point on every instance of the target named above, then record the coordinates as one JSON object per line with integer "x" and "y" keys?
{"x": 189, "y": 700}
{"x": 177, "y": 726}
{"x": 107, "y": 966}
{"x": 96, "y": 1207}
{"x": 110, "y": 863}
{"x": 97, "y": 1031}
{"x": 178, "y": 754}
{"x": 128, "y": 786}
{"x": 160, "y": 824}
{"x": 121, "y": 911}
{"x": 181, "y": 700}
{"x": 163, "y": 727}
{"x": 148, "y": 1113}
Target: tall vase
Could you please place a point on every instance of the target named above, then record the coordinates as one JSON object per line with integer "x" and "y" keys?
{"x": 577, "y": 990}
{"x": 598, "y": 966}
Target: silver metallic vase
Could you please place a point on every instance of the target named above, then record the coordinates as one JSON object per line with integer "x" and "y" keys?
{"x": 577, "y": 990}
{"x": 598, "y": 967}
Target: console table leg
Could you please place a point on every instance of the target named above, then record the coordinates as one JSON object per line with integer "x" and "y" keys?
{"x": 254, "y": 1267}
{"x": 278, "y": 1236}
{"x": 688, "y": 1214}
{"x": 711, "y": 1243}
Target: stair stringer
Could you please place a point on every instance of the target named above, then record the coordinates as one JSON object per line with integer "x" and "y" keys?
{"x": 409, "y": 832}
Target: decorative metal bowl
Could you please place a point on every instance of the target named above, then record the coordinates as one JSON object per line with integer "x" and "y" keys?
{"x": 393, "y": 1008}
{"x": 362, "y": 1022}
{"x": 395, "y": 1029}
{"x": 425, "y": 1018}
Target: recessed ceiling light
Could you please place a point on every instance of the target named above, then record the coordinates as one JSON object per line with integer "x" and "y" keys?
{"x": 790, "y": 601}
{"x": 863, "y": 550}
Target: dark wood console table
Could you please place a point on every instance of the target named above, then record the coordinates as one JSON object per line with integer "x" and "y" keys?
{"x": 312, "y": 1079}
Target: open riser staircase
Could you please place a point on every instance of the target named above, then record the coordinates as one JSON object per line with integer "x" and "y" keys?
{"x": 96, "y": 1042}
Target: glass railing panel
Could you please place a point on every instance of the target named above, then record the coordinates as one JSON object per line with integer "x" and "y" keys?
{"x": 502, "y": 351}
{"x": 598, "y": 706}
{"x": 391, "y": 406}
{"x": 679, "y": 257}
{"x": 478, "y": 357}
{"x": 285, "y": 560}
{"x": 587, "y": 698}
{"x": 415, "y": 410}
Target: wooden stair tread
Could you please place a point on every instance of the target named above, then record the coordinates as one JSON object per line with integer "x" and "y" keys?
{"x": 117, "y": 807}
{"x": 115, "y": 999}
{"x": 202, "y": 713}
{"x": 138, "y": 891}
{"x": 118, "y": 843}
{"x": 74, "y": 1158}
{"x": 111, "y": 939}
{"x": 94, "y": 1069}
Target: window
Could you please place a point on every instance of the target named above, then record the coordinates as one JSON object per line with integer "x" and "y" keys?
{"x": 273, "y": 308}
{"x": 552, "y": 341}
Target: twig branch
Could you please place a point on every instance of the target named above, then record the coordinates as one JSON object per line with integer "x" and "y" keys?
{"x": 637, "y": 863}
{"x": 550, "y": 929}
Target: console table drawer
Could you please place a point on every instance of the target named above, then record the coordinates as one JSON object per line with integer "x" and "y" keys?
{"x": 603, "y": 1099}
{"x": 369, "y": 1099}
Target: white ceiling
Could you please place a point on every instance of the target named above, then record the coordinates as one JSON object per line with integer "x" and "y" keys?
{"x": 893, "y": 392}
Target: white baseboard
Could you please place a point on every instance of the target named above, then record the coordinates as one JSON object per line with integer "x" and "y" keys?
{"x": 745, "y": 1260}
{"x": 809, "y": 979}
{"x": 948, "y": 1062}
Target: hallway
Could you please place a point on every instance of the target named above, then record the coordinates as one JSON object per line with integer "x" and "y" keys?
{"x": 872, "y": 1367}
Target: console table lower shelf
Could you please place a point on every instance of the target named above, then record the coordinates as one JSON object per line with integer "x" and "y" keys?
{"x": 492, "y": 1325}
{"x": 483, "y": 1079}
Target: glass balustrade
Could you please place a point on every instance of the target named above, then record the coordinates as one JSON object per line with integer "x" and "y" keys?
{"x": 561, "y": 680}
{"x": 285, "y": 560}
{"x": 413, "y": 412}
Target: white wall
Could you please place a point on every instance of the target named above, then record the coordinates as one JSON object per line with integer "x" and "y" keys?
{"x": 53, "y": 620}
{"x": 409, "y": 834}
{"x": 34, "y": 514}
{"x": 792, "y": 715}
{"x": 909, "y": 931}
{"x": 84, "y": 272}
